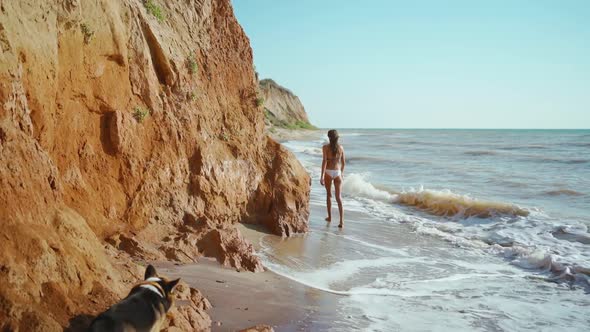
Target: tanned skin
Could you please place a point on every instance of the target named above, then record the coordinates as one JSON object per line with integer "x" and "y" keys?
{"x": 330, "y": 161}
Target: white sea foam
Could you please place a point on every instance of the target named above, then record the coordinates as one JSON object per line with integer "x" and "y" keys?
{"x": 324, "y": 278}
{"x": 357, "y": 185}
{"x": 512, "y": 225}
{"x": 304, "y": 147}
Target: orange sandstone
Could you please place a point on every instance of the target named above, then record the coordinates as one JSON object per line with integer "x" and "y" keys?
{"x": 122, "y": 138}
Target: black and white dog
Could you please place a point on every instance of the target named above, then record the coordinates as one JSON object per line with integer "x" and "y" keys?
{"x": 143, "y": 310}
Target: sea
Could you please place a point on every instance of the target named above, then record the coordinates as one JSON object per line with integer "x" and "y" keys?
{"x": 448, "y": 230}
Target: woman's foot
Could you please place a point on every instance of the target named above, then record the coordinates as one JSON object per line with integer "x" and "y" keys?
{"x": 328, "y": 219}
{"x": 340, "y": 225}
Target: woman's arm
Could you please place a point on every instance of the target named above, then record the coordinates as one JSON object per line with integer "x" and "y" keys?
{"x": 323, "y": 165}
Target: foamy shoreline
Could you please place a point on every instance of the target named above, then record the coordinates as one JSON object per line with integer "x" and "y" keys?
{"x": 244, "y": 299}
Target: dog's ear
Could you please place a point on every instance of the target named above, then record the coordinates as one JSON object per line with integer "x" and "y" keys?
{"x": 170, "y": 285}
{"x": 150, "y": 271}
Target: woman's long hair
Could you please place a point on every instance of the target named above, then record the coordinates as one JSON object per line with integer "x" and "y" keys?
{"x": 333, "y": 136}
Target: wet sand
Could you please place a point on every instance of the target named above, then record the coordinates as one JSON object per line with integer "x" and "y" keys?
{"x": 244, "y": 299}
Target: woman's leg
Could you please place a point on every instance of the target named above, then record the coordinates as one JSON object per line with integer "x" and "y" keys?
{"x": 328, "y": 185}
{"x": 337, "y": 185}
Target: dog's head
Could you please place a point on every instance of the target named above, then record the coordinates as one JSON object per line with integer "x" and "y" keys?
{"x": 166, "y": 285}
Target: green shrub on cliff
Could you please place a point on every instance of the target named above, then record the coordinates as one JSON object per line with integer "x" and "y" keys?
{"x": 300, "y": 125}
{"x": 140, "y": 114}
{"x": 276, "y": 123}
{"x": 192, "y": 64}
{"x": 155, "y": 10}
{"x": 86, "y": 32}
{"x": 259, "y": 101}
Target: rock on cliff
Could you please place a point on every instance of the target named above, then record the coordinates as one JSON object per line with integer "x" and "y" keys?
{"x": 128, "y": 130}
{"x": 282, "y": 108}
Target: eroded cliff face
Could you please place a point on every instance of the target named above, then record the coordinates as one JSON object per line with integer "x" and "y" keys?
{"x": 125, "y": 137}
{"x": 282, "y": 107}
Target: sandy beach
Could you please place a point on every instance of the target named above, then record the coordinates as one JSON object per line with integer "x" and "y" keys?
{"x": 244, "y": 299}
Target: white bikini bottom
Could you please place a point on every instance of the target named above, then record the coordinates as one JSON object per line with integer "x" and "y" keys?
{"x": 333, "y": 173}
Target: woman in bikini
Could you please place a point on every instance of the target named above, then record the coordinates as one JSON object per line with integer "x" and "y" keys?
{"x": 332, "y": 168}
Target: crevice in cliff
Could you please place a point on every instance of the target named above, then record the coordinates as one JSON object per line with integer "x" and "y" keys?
{"x": 105, "y": 133}
{"x": 195, "y": 164}
{"x": 159, "y": 61}
{"x": 286, "y": 230}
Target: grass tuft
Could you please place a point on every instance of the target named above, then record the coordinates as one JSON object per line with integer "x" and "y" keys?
{"x": 155, "y": 10}
{"x": 87, "y": 32}
{"x": 300, "y": 125}
{"x": 140, "y": 114}
{"x": 192, "y": 64}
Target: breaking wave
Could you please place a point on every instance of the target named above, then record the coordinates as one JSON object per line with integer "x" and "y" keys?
{"x": 538, "y": 259}
{"x": 480, "y": 153}
{"x": 448, "y": 204}
{"x": 440, "y": 203}
{"x": 566, "y": 192}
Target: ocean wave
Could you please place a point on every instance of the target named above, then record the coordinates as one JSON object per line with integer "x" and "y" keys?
{"x": 575, "y": 161}
{"x": 545, "y": 159}
{"x": 297, "y": 147}
{"x": 508, "y": 183}
{"x": 566, "y": 192}
{"x": 571, "y": 269}
{"x": 356, "y": 185}
{"x": 578, "y": 144}
{"x": 458, "y": 241}
{"x": 440, "y": 203}
{"x": 448, "y": 204}
{"x": 480, "y": 153}
{"x": 523, "y": 147}
{"x": 355, "y": 134}
{"x": 355, "y": 159}
{"x": 539, "y": 259}
{"x": 524, "y": 237}
{"x": 565, "y": 233}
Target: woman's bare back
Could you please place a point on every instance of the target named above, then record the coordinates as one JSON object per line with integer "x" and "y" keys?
{"x": 332, "y": 160}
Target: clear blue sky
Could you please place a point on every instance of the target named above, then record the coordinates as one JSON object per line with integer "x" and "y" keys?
{"x": 427, "y": 64}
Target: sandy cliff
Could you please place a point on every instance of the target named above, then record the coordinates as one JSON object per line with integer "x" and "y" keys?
{"x": 282, "y": 108}
{"x": 128, "y": 131}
